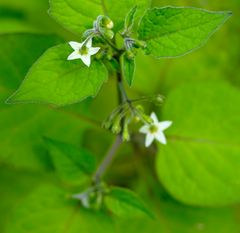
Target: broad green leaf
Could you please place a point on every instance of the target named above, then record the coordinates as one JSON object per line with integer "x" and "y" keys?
{"x": 125, "y": 203}
{"x": 15, "y": 26}
{"x": 200, "y": 163}
{"x": 18, "y": 52}
{"x": 48, "y": 209}
{"x": 22, "y": 126}
{"x": 175, "y": 31}
{"x": 15, "y": 185}
{"x": 12, "y": 21}
{"x": 79, "y": 15}
{"x": 54, "y": 80}
{"x": 128, "y": 69}
{"x": 73, "y": 164}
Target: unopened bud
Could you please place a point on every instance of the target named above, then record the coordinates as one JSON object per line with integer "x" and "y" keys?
{"x": 116, "y": 128}
{"x": 109, "y": 34}
{"x": 158, "y": 100}
{"x": 136, "y": 119}
{"x": 107, "y": 22}
{"x": 126, "y": 135}
{"x": 107, "y": 124}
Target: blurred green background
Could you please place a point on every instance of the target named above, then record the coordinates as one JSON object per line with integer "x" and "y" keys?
{"x": 26, "y": 31}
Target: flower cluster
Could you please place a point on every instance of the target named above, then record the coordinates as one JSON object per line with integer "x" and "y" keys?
{"x": 118, "y": 122}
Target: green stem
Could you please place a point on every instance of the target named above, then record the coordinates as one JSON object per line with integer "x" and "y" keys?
{"x": 107, "y": 160}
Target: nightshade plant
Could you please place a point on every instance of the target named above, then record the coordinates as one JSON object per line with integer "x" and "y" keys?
{"x": 111, "y": 34}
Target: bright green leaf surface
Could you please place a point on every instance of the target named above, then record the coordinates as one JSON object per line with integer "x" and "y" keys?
{"x": 15, "y": 185}
{"x": 15, "y": 47}
{"x": 48, "y": 209}
{"x": 23, "y": 126}
{"x": 125, "y": 203}
{"x": 175, "y": 31}
{"x": 73, "y": 164}
{"x": 53, "y": 79}
{"x": 79, "y": 15}
{"x": 128, "y": 69}
{"x": 200, "y": 164}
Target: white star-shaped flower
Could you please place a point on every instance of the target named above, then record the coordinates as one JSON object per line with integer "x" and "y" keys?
{"x": 155, "y": 130}
{"x": 83, "y": 51}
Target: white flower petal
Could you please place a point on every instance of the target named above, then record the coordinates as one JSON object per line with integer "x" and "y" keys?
{"x": 154, "y": 117}
{"x": 144, "y": 129}
{"x": 161, "y": 137}
{"x": 86, "y": 59}
{"x": 74, "y": 55}
{"x": 93, "y": 50}
{"x": 75, "y": 45}
{"x": 164, "y": 125}
{"x": 149, "y": 139}
{"x": 89, "y": 43}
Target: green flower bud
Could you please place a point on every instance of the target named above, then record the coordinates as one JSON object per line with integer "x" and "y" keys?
{"x": 116, "y": 128}
{"x": 109, "y": 34}
{"x": 136, "y": 119}
{"x": 126, "y": 135}
{"x": 158, "y": 100}
{"x": 107, "y": 22}
{"x": 107, "y": 124}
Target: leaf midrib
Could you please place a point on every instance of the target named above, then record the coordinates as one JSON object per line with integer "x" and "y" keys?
{"x": 201, "y": 140}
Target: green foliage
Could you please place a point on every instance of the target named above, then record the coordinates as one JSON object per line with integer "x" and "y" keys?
{"x": 79, "y": 15}
{"x": 129, "y": 20}
{"x": 24, "y": 126}
{"x": 48, "y": 209}
{"x": 73, "y": 164}
{"x": 54, "y": 80}
{"x": 200, "y": 164}
{"x": 128, "y": 69}
{"x": 125, "y": 203}
{"x": 175, "y": 31}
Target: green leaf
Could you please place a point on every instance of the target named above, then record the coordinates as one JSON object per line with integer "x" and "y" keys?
{"x": 129, "y": 20}
{"x": 79, "y": 15}
{"x": 200, "y": 163}
{"x": 175, "y": 31}
{"x": 15, "y": 47}
{"x": 15, "y": 185}
{"x": 54, "y": 80}
{"x": 48, "y": 209}
{"x": 21, "y": 137}
{"x": 72, "y": 163}
{"x": 128, "y": 69}
{"x": 125, "y": 203}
